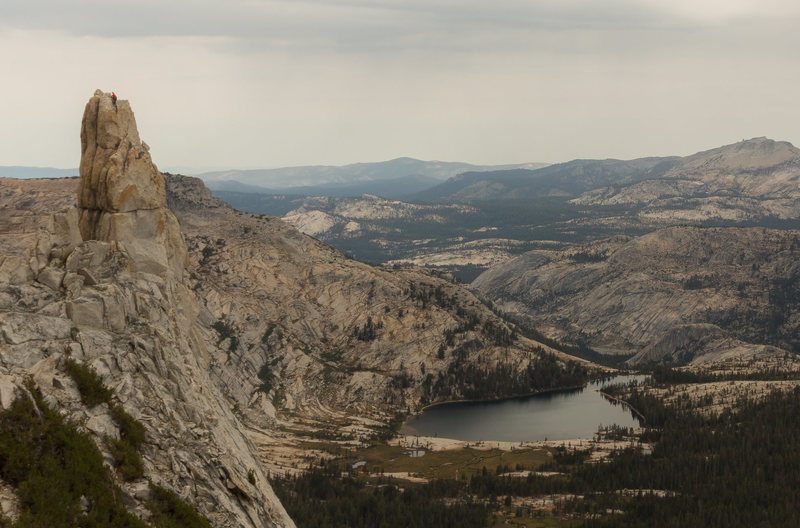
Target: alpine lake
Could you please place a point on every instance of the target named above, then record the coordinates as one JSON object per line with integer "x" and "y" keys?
{"x": 556, "y": 415}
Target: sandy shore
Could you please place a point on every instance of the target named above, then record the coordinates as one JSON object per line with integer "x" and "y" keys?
{"x": 435, "y": 443}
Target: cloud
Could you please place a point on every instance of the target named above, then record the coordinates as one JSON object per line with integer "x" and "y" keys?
{"x": 265, "y": 83}
{"x": 388, "y": 29}
{"x": 358, "y": 25}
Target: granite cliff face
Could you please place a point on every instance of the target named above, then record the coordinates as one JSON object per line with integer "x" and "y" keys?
{"x": 679, "y": 294}
{"x": 104, "y": 285}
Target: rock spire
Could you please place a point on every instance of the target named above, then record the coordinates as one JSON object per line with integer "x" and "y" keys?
{"x": 121, "y": 196}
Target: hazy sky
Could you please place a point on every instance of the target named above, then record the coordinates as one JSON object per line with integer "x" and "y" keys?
{"x": 262, "y": 83}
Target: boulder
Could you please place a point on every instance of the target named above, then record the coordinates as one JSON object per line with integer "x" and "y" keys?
{"x": 51, "y": 277}
{"x": 86, "y": 311}
{"x": 8, "y": 391}
{"x": 65, "y": 234}
{"x": 18, "y": 328}
{"x": 73, "y": 282}
{"x": 89, "y": 254}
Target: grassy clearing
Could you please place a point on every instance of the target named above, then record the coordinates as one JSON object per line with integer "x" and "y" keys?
{"x": 508, "y": 517}
{"x": 454, "y": 463}
{"x": 451, "y": 476}
{"x": 333, "y": 449}
{"x": 317, "y": 431}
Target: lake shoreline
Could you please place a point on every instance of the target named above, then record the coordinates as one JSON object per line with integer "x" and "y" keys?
{"x": 501, "y": 399}
{"x": 525, "y": 395}
{"x": 624, "y": 404}
{"x": 556, "y": 413}
{"x": 436, "y": 443}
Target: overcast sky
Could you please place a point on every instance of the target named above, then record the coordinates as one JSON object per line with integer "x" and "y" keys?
{"x": 262, "y": 83}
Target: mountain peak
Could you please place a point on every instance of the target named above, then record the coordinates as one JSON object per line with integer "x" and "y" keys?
{"x": 748, "y": 154}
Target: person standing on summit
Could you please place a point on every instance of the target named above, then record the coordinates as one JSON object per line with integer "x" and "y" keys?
{"x": 114, "y": 98}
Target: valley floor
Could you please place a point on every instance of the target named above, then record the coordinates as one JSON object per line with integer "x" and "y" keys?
{"x": 711, "y": 450}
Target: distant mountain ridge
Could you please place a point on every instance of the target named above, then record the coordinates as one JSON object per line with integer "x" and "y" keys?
{"x": 24, "y": 173}
{"x": 563, "y": 179}
{"x": 327, "y": 175}
{"x": 758, "y": 168}
{"x": 394, "y": 188}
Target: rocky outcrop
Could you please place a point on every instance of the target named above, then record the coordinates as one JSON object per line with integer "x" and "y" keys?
{"x": 681, "y": 344}
{"x": 671, "y": 295}
{"x": 105, "y": 286}
{"x": 702, "y": 344}
{"x": 117, "y": 174}
{"x": 121, "y": 194}
{"x": 26, "y": 211}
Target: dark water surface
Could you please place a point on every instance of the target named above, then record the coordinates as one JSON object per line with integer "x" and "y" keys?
{"x": 561, "y": 415}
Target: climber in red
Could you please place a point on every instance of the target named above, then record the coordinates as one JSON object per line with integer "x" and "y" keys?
{"x": 114, "y": 98}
